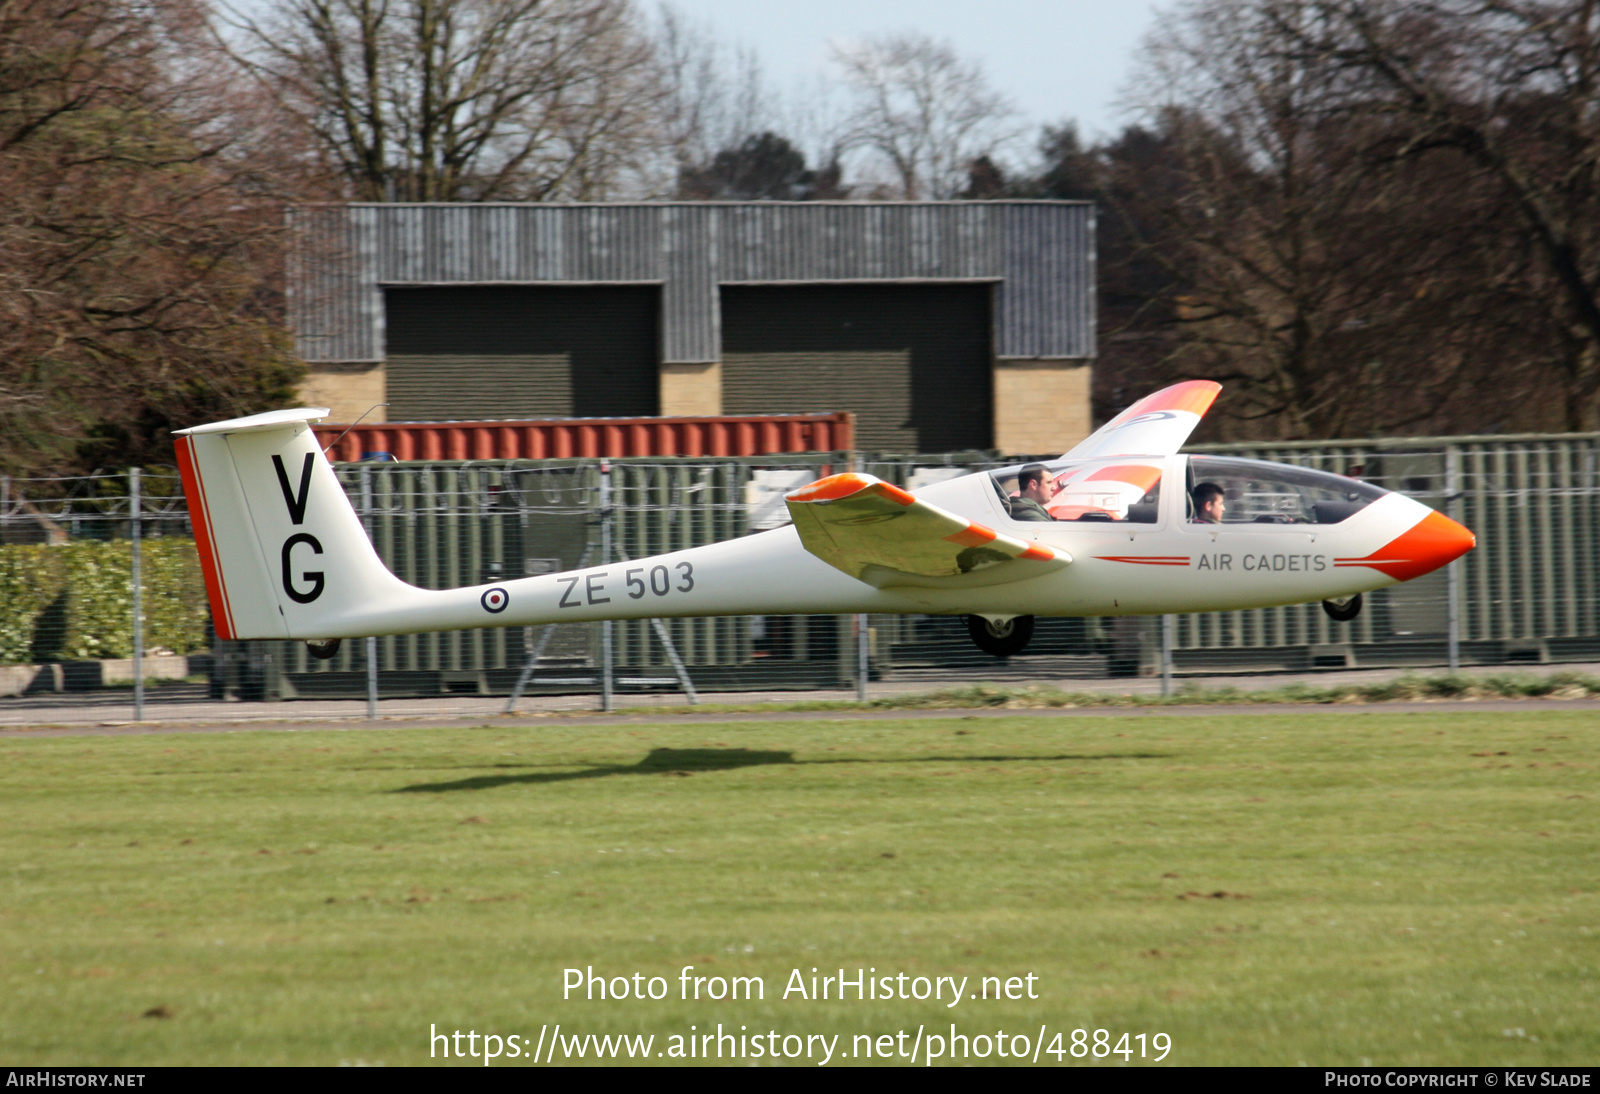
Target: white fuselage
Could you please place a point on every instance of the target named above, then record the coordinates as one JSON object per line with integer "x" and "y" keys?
{"x": 1171, "y": 565}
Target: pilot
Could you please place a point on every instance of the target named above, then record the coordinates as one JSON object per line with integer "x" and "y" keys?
{"x": 1035, "y": 488}
{"x": 1208, "y": 505}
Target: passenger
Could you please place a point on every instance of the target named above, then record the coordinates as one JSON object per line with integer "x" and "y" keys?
{"x": 1208, "y": 505}
{"x": 1035, "y": 488}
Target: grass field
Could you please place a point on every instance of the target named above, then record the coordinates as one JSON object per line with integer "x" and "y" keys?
{"x": 1328, "y": 888}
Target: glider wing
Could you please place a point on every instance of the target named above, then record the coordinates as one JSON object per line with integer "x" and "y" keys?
{"x": 878, "y": 533}
{"x": 1156, "y": 425}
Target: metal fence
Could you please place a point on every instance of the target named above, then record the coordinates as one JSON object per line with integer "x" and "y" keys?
{"x": 106, "y": 612}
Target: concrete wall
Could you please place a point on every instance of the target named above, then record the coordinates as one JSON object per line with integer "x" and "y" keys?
{"x": 1041, "y": 406}
{"x": 348, "y": 391}
{"x": 691, "y": 390}
{"x": 86, "y": 675}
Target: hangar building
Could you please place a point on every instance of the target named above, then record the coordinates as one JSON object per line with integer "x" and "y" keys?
{"x": 941, "y": 325}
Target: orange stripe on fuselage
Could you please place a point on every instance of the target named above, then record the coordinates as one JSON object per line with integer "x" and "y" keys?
{"x": 204, "y": 540}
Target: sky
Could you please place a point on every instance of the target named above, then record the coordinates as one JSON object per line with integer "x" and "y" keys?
{"x": 1057, "y": 60}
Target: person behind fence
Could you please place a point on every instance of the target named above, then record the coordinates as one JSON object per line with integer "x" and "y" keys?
{"x": 1208, "y": 503}
{"x": 1035, "y": 488}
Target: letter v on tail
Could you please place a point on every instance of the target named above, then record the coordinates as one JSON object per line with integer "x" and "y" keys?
{"x": 296, "y": 501}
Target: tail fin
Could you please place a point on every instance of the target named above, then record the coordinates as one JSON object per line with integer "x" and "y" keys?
{"x": 283, "y": 553}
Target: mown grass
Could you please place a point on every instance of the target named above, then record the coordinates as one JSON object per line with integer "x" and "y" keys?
{"x": 1413, "y": 888}
{"x": 1407, "y": 688}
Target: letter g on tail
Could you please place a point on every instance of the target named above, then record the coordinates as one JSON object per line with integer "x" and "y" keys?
{"x": 315, "y": 577}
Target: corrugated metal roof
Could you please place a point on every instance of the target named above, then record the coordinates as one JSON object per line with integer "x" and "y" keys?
{"x": 588, "y": 438}
{"x": 1040, "y": 253}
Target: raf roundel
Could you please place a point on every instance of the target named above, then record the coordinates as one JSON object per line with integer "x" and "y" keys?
{"x": 495, "y": 601}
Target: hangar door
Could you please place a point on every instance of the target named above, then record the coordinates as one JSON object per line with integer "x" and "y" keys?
{"x": 912, "y": 361}
{"x": 465, "y": 352}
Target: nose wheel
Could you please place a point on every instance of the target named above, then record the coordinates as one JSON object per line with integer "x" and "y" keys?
{"x": 1344, "y": 609}
{"x": 1003, "y": 638}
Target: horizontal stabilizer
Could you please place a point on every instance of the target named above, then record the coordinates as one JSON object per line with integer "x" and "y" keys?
{"x": 259, "y": 423}
{"x": 880, "y": 534}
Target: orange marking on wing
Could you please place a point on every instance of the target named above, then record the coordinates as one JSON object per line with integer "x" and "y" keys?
{"x": 894, "y": 493}
{"x": 1432, "y": 542}
{"x": 1038, "y": 554}
{"x": 973, "y": 535}
{"x": 1195, "y": 396}
{"x": 1141, "y": 475}
{"x": 831, "y": 488}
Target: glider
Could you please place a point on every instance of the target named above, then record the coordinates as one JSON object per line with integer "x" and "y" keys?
{"x": 285, "y": 556}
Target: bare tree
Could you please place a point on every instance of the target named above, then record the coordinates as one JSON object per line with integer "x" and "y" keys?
{"x": 716, "y": 96}
{"x": 132, "y": 239}
{"x": 762, "y": 167}
{"x": 729, "y": 134}
{"x": 926, "y": 112}
{"x": 1336, "y": 289}
{"x": 1506, "y": 91}
{"x": 458, "y": 100}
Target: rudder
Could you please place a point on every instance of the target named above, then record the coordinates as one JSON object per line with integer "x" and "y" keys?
{"x": 283, "y": 553}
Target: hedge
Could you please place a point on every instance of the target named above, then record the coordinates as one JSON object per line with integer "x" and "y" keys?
{"x": 75, "y": 602}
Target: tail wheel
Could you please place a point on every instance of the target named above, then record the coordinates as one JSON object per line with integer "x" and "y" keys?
{"x": 1344, "y": 609}
{"x": 324, "y": 651}
{"x": 1002, "y": 639}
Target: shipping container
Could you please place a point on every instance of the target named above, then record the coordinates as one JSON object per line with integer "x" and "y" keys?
{"x": 590, "y": 438}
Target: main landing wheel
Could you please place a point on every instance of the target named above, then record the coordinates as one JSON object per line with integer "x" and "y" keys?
{"x": 1001, "y": 639}
{"x": 324, "y": 651}
{"x": 1343, "y": 609}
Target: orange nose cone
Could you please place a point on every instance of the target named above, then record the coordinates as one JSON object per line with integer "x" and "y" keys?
{"x": 1461, "y": 538}
{"x": 1432, "y": 542}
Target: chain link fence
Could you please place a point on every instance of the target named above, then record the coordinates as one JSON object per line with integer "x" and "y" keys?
{"x": 107, "y": 619}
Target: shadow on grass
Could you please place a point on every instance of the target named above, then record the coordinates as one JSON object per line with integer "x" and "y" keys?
{"x": 689, "y": 761}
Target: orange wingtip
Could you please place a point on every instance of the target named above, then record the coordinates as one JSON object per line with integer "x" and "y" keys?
{"x": 849, "y": 484}
{"x": 1038, "y": 554}
{"x": 1195, "y": 396}
{"x": 832, "y": 488}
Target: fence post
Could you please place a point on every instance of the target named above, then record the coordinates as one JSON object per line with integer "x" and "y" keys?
{"x": 862, "y": 666}
{"x": 606, "y": 700}
{"x": 138, "y": 598}
{"x": 370, "y": 645}
{"x": 863, "y": 651}
{"x": 1452, "y": 572}
{"x": 1167, "y": 622}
